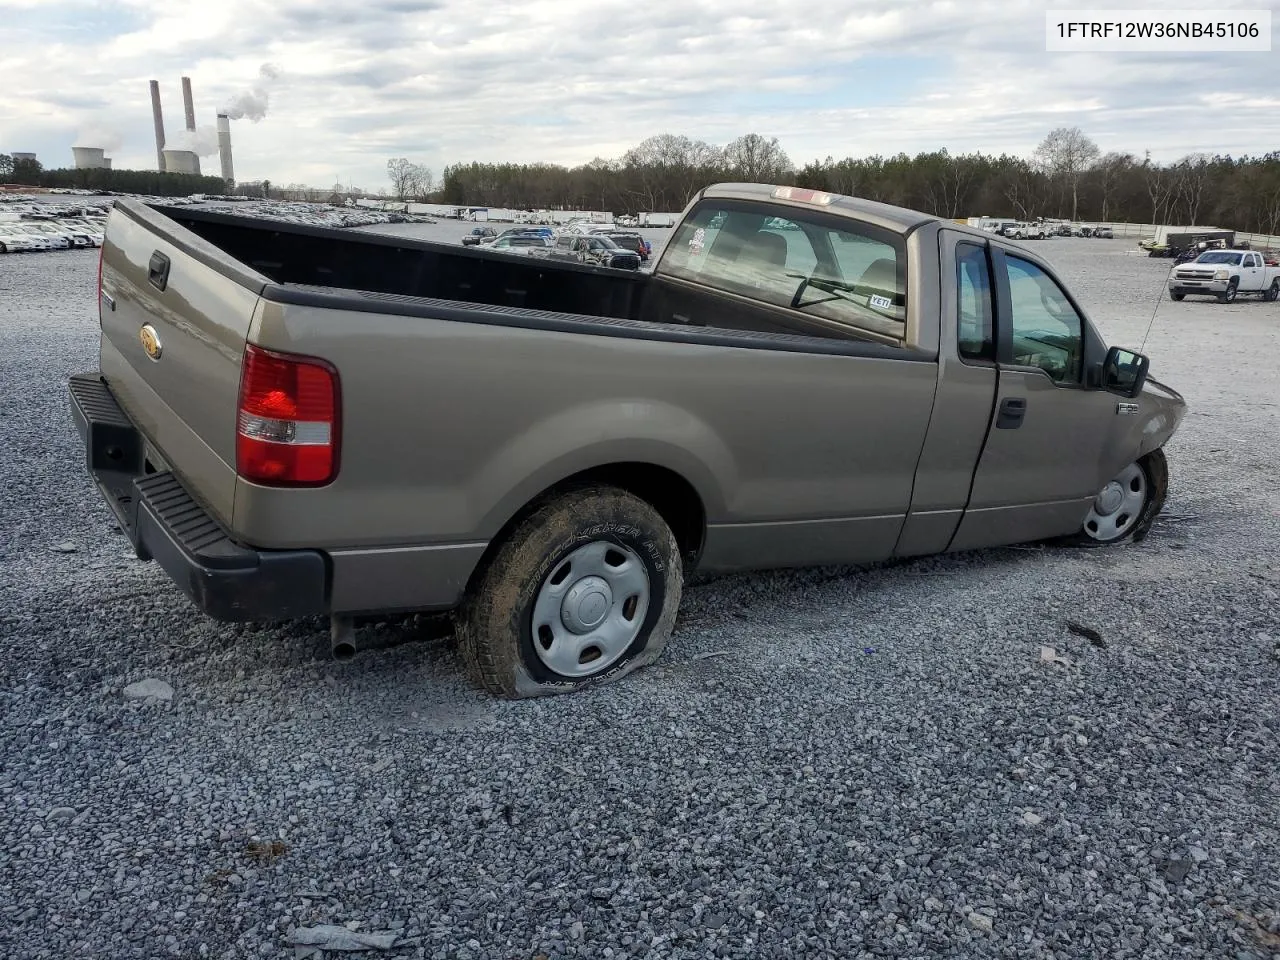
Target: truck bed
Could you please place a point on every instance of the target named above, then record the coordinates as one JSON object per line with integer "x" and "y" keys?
{"x": 320, "y": 257}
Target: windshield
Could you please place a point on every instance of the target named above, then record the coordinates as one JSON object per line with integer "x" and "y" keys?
{"x": 1219, "y": 256}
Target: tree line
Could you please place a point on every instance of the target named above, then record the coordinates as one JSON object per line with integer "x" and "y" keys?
{"x": 153, "y": 183}
{"x": 1066, "y": 176}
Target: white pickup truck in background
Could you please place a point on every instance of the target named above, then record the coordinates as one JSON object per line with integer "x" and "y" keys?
{"x": 1225, "y": 273}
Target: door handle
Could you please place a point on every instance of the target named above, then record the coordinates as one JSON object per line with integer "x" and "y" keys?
{"x": 1012, "y": 410}
{"x": 158, "y": 270}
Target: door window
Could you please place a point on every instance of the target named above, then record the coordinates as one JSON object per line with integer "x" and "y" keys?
{"x": 973, "y": 308}
{"x": 828, "y": 267}
{"x": 1047, "y": 331}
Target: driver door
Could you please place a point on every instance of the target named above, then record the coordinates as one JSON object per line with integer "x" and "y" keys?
{"x": 1045, "y": 455}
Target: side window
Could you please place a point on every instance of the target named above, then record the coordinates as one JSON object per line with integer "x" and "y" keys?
{"x": 1047, "y": 332}
{"x": 825, "y": 266}
{"x": 975, "y": 339}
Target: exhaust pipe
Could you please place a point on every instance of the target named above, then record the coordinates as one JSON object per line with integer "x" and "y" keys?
{"x": 342, "y": 637}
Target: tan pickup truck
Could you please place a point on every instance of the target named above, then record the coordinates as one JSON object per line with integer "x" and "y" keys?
{"x": 297, "y": 421}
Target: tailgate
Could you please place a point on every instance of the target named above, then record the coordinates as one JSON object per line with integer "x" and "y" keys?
{"x": 197, "y": 305}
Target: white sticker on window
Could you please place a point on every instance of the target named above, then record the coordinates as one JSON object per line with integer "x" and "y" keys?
{"x": 697, "y": 240}
{"x": 884, "y": 303}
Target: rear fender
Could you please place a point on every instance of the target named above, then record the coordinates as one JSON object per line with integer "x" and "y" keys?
{"x": 562, "y": 445}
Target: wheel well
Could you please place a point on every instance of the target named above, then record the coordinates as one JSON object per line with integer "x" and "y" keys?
{"x": 675, "y": 499}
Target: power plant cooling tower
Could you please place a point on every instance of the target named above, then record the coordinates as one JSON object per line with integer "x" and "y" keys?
{"x": 159, "y": 118}
{"x": 181, "y": 161}
{"x": 224, "y": 147}
{"x": 88, "y": 158}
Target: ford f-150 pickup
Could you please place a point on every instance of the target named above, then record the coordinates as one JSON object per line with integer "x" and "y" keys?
{"x": 297, "y": 421}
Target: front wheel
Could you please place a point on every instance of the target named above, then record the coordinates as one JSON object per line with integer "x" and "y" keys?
{"x": 1230, "y": 293}
{"x": 582, "y": 592}
{"x": 1127, "y": 505}
{"x": 1176, "y": 295}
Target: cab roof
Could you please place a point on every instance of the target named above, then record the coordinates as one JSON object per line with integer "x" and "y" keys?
{"x": 900, "y": 219}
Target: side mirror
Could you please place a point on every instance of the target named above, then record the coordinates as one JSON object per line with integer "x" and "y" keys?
{"x": 1124, "y": 372}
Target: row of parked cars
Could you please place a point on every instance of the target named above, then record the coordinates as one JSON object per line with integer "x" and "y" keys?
{"x": 600, "y": 244}
{"x": 1043, "y": 229}
{"x": 27, "y": 236}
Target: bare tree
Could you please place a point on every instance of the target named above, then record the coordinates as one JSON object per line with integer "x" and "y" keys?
{"x": 1192, "y": 173}
{"x": 1110, "y": 170}
{"x": 754, "y": 159}
{"x": 421, "y": 182}
{"x": 401, "y": 173}
{"x": 1159, "y": 188}
{"x": 1066, "y": 153}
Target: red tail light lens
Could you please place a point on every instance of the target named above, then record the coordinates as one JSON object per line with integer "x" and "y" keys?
{"x": 288, "y": 419}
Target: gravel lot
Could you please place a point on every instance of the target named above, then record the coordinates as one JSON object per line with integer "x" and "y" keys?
{"x": 826, "y": 763}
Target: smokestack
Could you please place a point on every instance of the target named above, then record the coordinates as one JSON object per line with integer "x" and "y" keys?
{"x": 188, "y": 103}
{"x": 224, "y": 147}
{"x": 159, "y": 118}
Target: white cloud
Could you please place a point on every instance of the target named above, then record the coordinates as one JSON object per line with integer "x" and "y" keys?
{"x": 565, "y": 80}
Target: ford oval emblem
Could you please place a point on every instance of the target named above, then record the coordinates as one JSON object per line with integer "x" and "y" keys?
{"x": 150, "y": 341}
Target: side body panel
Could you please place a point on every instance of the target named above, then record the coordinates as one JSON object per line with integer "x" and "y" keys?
{"x": 449, "y": 428}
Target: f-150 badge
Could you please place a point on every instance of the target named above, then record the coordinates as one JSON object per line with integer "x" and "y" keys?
{"x": 1124, "y": 407}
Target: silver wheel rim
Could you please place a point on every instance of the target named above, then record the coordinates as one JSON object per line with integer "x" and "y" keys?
{"x": 1118, "y": 505}
{"x": 590, "y": 609}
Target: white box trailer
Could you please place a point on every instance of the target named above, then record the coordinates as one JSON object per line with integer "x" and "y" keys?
{"x": 659, "y": 219}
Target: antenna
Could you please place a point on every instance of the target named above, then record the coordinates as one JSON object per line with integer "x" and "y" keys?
{"x": 1159, "y": 298}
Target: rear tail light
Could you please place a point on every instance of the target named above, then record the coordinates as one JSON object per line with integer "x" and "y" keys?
{"x": 288, "y": 420}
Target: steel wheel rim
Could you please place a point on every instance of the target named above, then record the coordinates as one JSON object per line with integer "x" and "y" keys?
{"x": 1118, "y": 505}
{"x": 590, "y": 609}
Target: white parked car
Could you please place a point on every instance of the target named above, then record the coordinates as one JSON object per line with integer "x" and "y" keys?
{"x": 15, "y": 241}
{"x": 1224, "y": 274}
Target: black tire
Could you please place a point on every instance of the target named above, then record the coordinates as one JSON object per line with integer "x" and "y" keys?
{"x": 1228, "y": 295}
{"x": 1176, "y": 295}
{"x": 1155, "y": 467}
{"x": 495, "y": 623}
{"x": 1272, "y": 293}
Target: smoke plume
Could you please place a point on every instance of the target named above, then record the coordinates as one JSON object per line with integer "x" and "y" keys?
{"x": 203, "y": 141}
{"x": 252, "y": 103}
{"x": 98, "y": 136}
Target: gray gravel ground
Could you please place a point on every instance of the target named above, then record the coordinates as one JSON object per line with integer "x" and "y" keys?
{"x": 794, "y": 795}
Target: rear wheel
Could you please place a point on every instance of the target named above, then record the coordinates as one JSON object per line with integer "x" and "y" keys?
{"x": 1273, "y": 291}
{"x": 582, "y": 592}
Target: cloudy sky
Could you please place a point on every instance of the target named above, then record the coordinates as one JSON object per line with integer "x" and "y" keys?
{"x": 443, "y": 81}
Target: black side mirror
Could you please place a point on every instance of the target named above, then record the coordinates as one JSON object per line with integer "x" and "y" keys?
{"x": 1124, "y": 372}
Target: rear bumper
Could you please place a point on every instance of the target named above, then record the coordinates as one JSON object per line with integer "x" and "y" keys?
{"x": 226, "y": 580}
